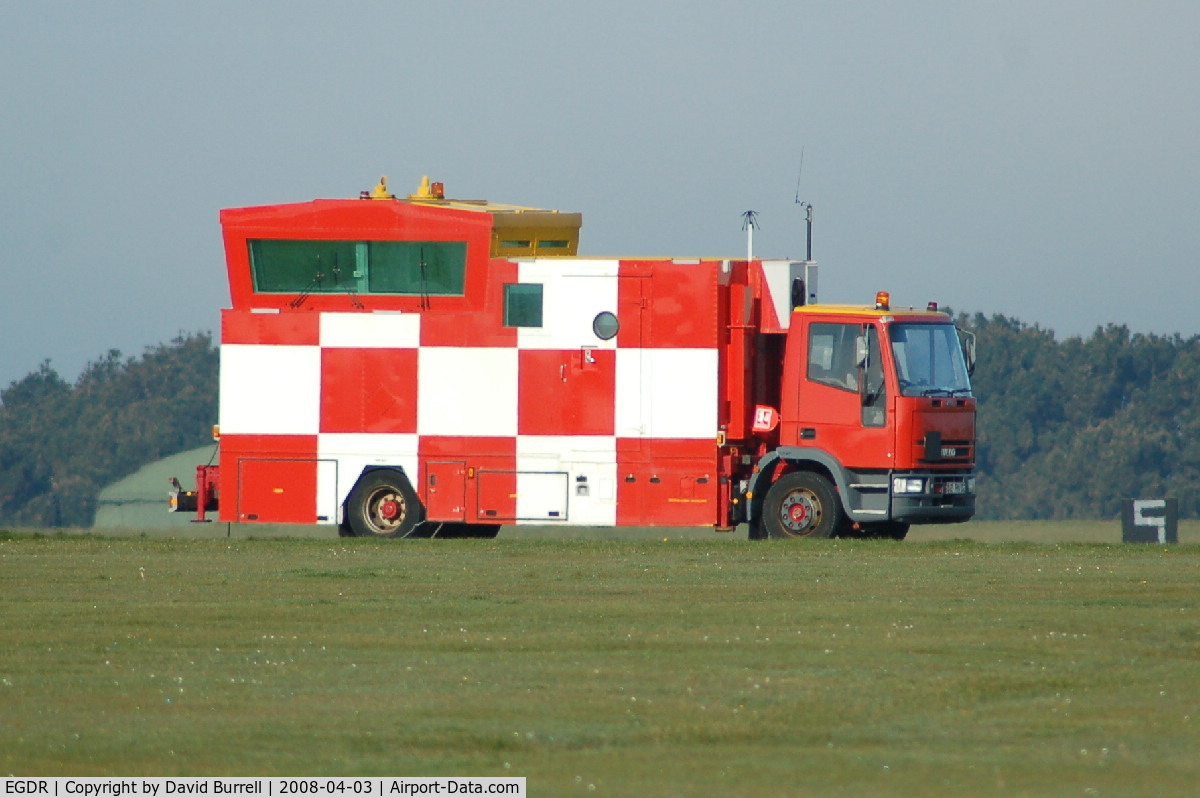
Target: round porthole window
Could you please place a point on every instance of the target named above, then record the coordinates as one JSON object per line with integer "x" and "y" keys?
{"x": 605, "y": 325}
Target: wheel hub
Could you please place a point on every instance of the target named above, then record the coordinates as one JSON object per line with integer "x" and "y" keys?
{"x": 800, "y": 512}
{"x": 389, "y": 509}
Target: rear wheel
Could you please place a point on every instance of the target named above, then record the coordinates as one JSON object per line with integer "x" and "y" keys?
{"x": 383, "y": 505}
{"x": 802, "y": 505}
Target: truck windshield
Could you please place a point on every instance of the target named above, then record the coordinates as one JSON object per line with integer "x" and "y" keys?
{"x": 929, "y": 360}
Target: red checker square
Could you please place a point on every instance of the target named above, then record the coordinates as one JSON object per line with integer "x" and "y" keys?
{"x": 245, "y": 327}
{"x": 369, "y": 390}
{"x": 567, "y": 392}
{"x": 466, "y": 328}
{"x": 488, "y": 474}
{"x": 667, "y": 483}
{"x": 280, "y": 491}
{"x": 480, "y": 324}
{"x": 254, "y": 466}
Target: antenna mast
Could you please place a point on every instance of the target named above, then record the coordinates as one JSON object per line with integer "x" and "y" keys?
{"x": 808, "y": 219}
{"x": 749, "y": 222}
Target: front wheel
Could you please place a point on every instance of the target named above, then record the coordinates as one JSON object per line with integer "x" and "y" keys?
{"x": 383, "y": 505}
{"x": 802, "y": 505}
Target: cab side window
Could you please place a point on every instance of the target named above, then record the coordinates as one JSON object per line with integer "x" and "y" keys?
{"x": 831, "y": 355}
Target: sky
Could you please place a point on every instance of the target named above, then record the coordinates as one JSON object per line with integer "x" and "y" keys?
{"x": 1037, "y": 159}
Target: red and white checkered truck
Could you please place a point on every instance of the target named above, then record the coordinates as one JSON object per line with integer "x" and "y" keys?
{"x": 422, "y": 366}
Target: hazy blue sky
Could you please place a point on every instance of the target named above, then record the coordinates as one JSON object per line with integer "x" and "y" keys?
{"x": 1037, "y": 159}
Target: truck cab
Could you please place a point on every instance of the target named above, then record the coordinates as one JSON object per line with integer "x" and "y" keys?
{"x": 876, "y": 425}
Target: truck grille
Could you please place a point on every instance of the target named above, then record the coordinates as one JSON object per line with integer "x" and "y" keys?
{"x": 951, "y": 452}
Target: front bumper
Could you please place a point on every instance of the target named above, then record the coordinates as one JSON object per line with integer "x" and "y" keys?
{"x": 932, "y": 498}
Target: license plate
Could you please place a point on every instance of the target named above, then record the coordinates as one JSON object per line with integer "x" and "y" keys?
{"x": 954, "y": 487}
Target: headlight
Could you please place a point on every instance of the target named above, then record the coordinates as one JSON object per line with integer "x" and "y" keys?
{"x": 908, "y": 485}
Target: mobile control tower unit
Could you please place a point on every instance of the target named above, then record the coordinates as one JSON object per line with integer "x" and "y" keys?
{"x": 422, "y": 366}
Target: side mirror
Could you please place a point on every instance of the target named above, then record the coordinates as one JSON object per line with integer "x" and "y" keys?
{"x": 799, "y": 294}
{"x": 967, "y": 341}
{"x": 862, "y": 350}
{"x": 862, "y": 357}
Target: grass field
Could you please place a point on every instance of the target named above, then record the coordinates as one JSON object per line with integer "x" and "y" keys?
{"x": 1013, "y": 664}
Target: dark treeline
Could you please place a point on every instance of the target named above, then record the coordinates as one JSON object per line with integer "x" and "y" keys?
{"x": 1066, "y": 428}
{"x": 60, "y": 444}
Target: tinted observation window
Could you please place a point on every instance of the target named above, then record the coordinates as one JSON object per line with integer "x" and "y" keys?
{"x": 295, "y": 266}
{"x": 372, "y": 267}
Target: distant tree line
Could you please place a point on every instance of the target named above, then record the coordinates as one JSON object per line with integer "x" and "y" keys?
{"x": 1066, "y": 428}
{"x": 60, "y": 444}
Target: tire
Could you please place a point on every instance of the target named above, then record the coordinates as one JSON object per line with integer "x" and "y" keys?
{"x": 755, "y": 530}
{"x": 383, "y": 505}
{"x": 802, "y": 504}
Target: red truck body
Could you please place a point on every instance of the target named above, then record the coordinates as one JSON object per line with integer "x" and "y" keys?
{"x": 422, "y": 366}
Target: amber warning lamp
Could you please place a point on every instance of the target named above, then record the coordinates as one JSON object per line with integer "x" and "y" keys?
{"x": 883, "y": 301}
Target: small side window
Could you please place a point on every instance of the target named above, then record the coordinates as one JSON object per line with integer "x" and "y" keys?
{"x": 522, "y": 304}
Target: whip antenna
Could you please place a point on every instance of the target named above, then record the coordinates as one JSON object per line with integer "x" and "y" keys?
{"x": 808, "y": 211}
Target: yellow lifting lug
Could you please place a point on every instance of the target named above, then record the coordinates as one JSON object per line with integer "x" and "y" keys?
{"x": 380, "y": 191}
{"x": 424, "y": 191}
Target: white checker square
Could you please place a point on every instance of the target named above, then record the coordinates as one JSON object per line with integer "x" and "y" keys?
{"x": 467, "y": 391}
{"x": 270, "y": 389}
{"x": 590, "y": 463}
{"x": 667, "y": 393}
{"x": 355, "y": 452}
{"x": 573, "y": 293}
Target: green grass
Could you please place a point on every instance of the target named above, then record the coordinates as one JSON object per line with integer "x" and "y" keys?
{"x": 612, "y": 667}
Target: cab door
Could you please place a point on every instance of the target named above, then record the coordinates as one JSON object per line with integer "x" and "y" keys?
{"x": 843, "y": 400}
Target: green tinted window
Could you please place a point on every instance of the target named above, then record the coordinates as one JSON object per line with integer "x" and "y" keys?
{"x": 296, "y": 266}
{"x": 376, "y": 267}
{"x": 523, "y": 305}
{"x": 416, "y": 267}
